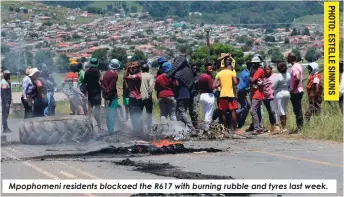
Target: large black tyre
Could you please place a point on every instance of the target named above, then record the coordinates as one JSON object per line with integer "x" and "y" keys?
{"x": 55, "y": 130}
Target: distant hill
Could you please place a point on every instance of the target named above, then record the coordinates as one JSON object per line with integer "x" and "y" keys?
{"x": 229, "y": 12}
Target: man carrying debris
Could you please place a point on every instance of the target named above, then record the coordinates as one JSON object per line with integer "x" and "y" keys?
{"x": 92, "y": 84}
{"x": 133, "y": 78}
{"x": 6, "y": 99}
{"x": 182, "y": 72}
{"x": 109, "y": 89}
{"x": 226, "y": 80}
{"x": 147, "y": 88}
{"x": 73, "y": 93}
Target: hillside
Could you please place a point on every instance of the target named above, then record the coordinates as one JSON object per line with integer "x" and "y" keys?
{"x": 25, "y": 10}
{"x": 211, "y": 12}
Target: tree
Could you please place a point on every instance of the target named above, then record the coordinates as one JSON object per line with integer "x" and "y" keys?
{"x": 3, "y": 34}
{"x": 270, "y": 39}
{"x": 18, "y": 61}
{"x": 5, "y": 49}
{"x": 45, "y": 57}
{"x": 276, "y": 56}
{"x": 297, "y": 54}
{"x": 62, "y": 63}
{"x": 11, "y": 9}
{"x": 101, "y": 55}
{"x": 25, "y": 11}
{"x": 120, "y": 54}
{"x": 47, "y": 23}
{"x": 249, "y": 43}
{"x": 306, "y": 32}
{"x": 17, "y": 10}
{"x": 294, "y": 32}
{"x": 133, "y": 9}
{"x": 269, "y": 30}
{"x": 287, "y": 29}
{"x": 311, "y": 55}
{"x": 286, "y": 41}
{"x": 139, "y": 56}
{"x": 200, "y": 55}
{"x": 109, "y": 7}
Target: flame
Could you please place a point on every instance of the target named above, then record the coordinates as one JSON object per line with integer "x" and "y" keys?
{"x": 165, "y": 142}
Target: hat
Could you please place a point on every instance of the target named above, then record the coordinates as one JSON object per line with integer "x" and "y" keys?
{"x": 73, "y": 62}
{"x": 6, "y": 72}
{"x": 256, "y": 59}
{"x": 314, "y": 66}
{"x": 114, "y": 64}
{"x": 162, "y": 60}
{"x": 33, "y": 71}
{"x": 166, "y": 67}
{"x": 93, "y": 63}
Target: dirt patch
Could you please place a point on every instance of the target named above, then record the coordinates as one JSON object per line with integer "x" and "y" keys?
{"x": 167, "y": 170}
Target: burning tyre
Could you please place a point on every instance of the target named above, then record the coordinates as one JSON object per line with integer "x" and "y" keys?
{"x": 55, "y": 130}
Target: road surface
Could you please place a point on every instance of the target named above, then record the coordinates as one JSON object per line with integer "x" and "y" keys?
{"x": 261, "y": 158}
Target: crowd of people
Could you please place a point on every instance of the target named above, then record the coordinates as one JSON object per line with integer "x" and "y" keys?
{"x": 229, "y": 97}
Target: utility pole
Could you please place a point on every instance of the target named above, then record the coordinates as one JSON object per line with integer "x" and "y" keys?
{"x": 208, "y": 42}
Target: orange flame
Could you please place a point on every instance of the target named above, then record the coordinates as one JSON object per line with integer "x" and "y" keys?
{"x": 165, "y": 142}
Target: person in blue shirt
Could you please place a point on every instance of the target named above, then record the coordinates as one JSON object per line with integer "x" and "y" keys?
{"x": 242, "y": 89}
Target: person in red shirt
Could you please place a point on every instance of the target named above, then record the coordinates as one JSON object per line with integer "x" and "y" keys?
{"x": 314, "y": 91}
{"x": 257, "y": 95}
{"x": 207, "y": 98}
{"x": 165, "y": 88}
{"x": 109, "y": 89}
{"x": 133, "y": 78}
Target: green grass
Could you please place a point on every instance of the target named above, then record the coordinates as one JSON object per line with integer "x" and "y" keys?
{"x": 311, "y": 19}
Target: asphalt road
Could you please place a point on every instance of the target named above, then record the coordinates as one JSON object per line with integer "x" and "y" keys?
{"x": 262, "y": 158}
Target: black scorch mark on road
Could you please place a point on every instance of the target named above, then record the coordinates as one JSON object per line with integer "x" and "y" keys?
{"x": 167, "y": 170}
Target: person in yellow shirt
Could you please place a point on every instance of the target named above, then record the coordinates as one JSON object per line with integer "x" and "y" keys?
{"x": 226, "y": 80}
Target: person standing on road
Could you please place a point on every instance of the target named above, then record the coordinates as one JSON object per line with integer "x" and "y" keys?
{"x": 126, "y": 98}
{"x": 282, "y": 95}
{"x": 314, "y": 91}
{"x": 296, "y": 89}
{"x": 25, "y": 98}
{"x": 133, "y": 78}
{"x": 182, "y": 72}
{"x": 161, "y": 61}
{"x": 92, "y": 84}
{"x": 269, "y": 97}
{"x": 194, "y": 99}
{"x": 6, "y": 99}
{"x": 256, "y": 93}
{"x": 207, "y": 98}
{"x": 109, "y": 89}
{"x": 243, "y": 87}
{"x": 81, "y": 76}
{"x": 165, "y": 88}
{"x": 147, "y": 88}
{"x": 49, "y": 82}
{"x": 38, "y": 93}
{"x": 227, "y": 81}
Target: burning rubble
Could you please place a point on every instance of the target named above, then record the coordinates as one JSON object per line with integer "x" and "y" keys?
{"x": 157, "y": 147}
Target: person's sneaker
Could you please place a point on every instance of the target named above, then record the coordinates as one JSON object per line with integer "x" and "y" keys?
{"x": 239, "y": 132}
{"x": 257, "y": 132}
{"x": 7, "y": 130}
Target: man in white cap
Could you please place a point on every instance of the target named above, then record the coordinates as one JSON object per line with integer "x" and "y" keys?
{"x": 256, "y": 93}
{"x": 6, "y": 99}
{"x": 109, "y": 89}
